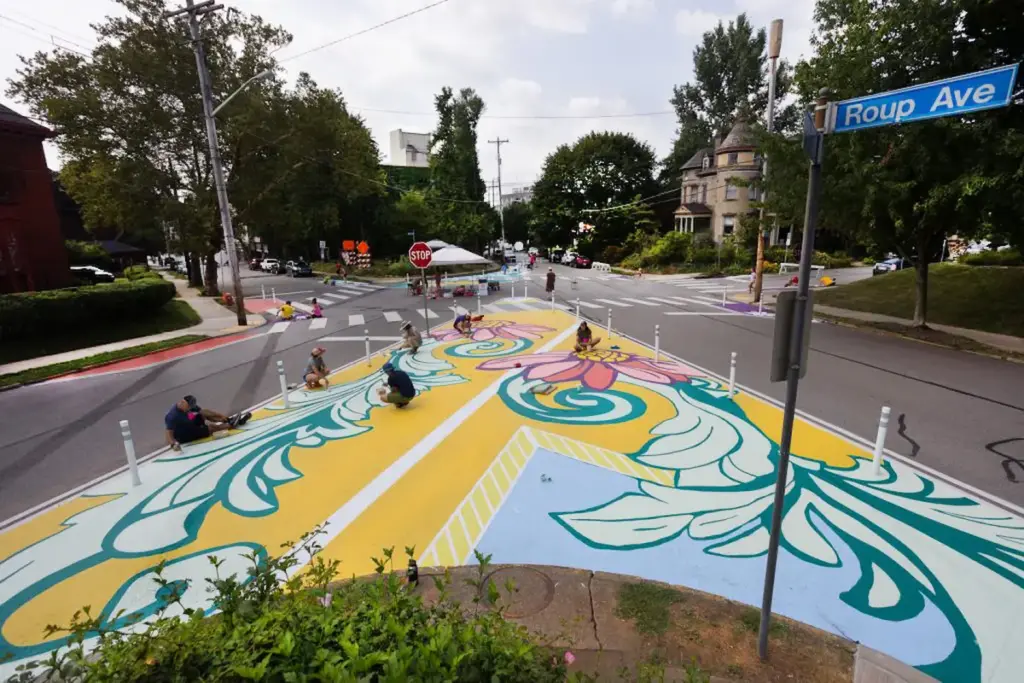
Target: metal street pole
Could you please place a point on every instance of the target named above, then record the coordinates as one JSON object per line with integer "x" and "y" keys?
{"x": 774, "y": 48}
{"x": 795, "y": 357}
{"x": 501, "y": 205}
{"x": 194, "y": 11}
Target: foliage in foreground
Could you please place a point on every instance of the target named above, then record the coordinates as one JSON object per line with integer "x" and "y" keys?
{"x": 275, "y": 628}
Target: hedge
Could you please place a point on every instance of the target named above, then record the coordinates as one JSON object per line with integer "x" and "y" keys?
{"x": 36, "y": 313}
{"x": 1007, "y": 257}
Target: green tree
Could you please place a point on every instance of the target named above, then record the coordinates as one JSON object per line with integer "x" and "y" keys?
{"x": 903, "y": 188}
{"x": 519, "y": 222}
{"x": 457, "y": 189}
{"x": 586, "y": 181}
{"x": 129, "y": 120}
{"x": 730, "y": 82}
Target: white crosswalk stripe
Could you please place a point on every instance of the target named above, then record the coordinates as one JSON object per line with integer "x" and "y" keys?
{"x": 351, "y": 290}
{"x": 302, "y": 307}
{"x": 325, "y": 304}
{"x": 640, "y": 302}
{"x": 587, "y": 304}
{"x": 392, "y": 316}
{"x": 459, "y": 310}
{"x": 612, "y": 302}
{"x": 339, "y": 297}
{"x": 521, "y": 305}
{"x": 356, "y": 319}
{"x": 662, "y": 300}
{"x": 278, "y": 328}
{"x": 429, "y": 315}
{"x": 318, "y": 323}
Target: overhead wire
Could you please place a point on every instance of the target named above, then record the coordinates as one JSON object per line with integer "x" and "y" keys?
{"x": 525, "y": 117}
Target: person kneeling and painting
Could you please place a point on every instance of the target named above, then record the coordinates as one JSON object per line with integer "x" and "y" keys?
{"x": 411, "y": 337}
{"x": 399, "y": 390}
{"x": 316, "y": 370}
{"x": 464, "y": 323}
{"x": 187, "y": 422}
{"x": 585, "y": 339}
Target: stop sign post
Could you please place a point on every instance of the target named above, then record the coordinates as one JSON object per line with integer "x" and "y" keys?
{"x": 420, "y": 256}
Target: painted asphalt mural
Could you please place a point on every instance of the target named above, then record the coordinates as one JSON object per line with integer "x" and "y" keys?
{"x": 629, "y": 465}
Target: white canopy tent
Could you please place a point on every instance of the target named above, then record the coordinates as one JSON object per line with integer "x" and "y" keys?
{"x": 457, "y": 256}
{"x": 437, "y": 244}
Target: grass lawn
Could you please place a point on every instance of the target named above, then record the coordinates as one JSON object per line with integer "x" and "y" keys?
{"x": 175, "y": 315}
{"x": 47, "y": 371}
{"x": 990, "y": 299}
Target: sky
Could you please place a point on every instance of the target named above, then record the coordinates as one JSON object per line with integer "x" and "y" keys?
{"x": 574, "y": 59}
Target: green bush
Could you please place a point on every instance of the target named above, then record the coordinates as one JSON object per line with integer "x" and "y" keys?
{"x": 672, "y": 247}
{"x": 32, "y": 314}
{"x": 88, "y": 254}
{"x": 612, "y": 254}
{"x": 308, "y": 629}
{"x": 1008, "y": 257}
{"x": 632, "y": 262}
{"x": 141, "y": 273}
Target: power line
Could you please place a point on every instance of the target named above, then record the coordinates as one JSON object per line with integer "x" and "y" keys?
{"x": 363, "y": 31}
{"x": 525, "y": 117}
{"x": 52, "y": 42}
{"x": 58, "y": 29}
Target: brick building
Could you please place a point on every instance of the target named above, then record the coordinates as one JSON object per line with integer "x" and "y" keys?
{"x": 32, "y": 255}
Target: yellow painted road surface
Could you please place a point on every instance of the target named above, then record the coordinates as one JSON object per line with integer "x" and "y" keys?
{"x": 624, "y": 464}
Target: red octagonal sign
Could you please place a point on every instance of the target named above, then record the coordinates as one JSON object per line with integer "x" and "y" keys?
{"x": 420, "y": 255}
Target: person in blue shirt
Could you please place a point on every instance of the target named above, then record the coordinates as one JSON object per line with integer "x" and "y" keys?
{"x": 399, "y": 390}
{"x": 186, "y": 422}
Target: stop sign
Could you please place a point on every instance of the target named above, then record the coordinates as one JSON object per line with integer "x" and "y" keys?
{"x": 420, "y": 255}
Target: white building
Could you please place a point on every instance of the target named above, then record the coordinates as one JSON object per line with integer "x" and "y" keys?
{"x": 410, "y": 149}
{"x": 517, "y": 197}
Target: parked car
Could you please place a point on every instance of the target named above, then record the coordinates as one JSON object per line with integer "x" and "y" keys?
{"x": 568, "y": 258}
{"x": 256, "y": 264}
{"x": 580, "y": 262}
{"x": 298, "y": 269}
{"x": 92, "y": 274}
{"x": 889, "y": 266}
{"x": 270, "y": 265}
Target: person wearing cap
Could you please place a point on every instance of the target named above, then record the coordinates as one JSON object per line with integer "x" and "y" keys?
{"x": 316, "y": 370}
{"x": 399, "y": 390}
{"x": 411, "y": 337}
{"x": 186, "y": 422}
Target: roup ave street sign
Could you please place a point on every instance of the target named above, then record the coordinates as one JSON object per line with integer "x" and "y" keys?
{"x": 420, "y": 255}
{"x": 955, "y": 96}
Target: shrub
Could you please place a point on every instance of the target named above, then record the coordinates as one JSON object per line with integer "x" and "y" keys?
{"x": 632, "y": 262}
{"x": 141, "y": 273}
{"x": 1008, "y": 257}
{"x": 703, "y": 254}
{"x": 88, "y": 254}
{"x": 308, "y": 629}
{"x": 35, "y": 313}
{"x": 612, "y": 254}
{"x": 672, "y": 247}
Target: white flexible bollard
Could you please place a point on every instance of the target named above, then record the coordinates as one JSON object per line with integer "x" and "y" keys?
{"x": 526, "y": 291}
{"x": 513, "y": 291}
{"x": 273, "y": 293}
{"x": 366, "y": 335}
{"x": 129, "y": 451}
{"x": 732, "y": 375}
{"x": 479, "y": 305}
{"x": 657, "y": 343}
{"x": 609, "y": 328}
{"x": 552, "y": 302}
{"x": 760, "y": 305}
{"x": 724, "y": 291}
{"x": 883, "y": 428}
{"x": 263, "y": 292}
{"x": 284, "y": 384}
{"x": 577, "y": 308}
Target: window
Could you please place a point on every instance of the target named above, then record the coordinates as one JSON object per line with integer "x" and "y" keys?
{"x": 752, "y": 193}
{"x": 703, "y": 194}
{"x": 10, "y": 186}
{"x": 705, "y": 163}
{"x": 730, "y": 191}
{"x": 728, "y": 224}
{"x": 733, "y": 158}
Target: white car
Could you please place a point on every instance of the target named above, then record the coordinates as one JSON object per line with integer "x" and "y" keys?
{"x": 568, "y": 258}
{"x": 270, "y": 265}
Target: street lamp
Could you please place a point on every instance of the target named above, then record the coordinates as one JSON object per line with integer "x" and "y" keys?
{"x": 261, "y": 75}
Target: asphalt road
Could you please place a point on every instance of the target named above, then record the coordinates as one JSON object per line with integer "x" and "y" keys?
{"x": 958, "y": 413}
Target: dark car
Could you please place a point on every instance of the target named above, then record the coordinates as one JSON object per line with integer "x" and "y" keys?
{"x": 92, "y": 274}
{"x": 889, "y": 266}
{"x": 255, "y": 264}
{"x": 298, "y": 269}
{"x": 580, "y": 262}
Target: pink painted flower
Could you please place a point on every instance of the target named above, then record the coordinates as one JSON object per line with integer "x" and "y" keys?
{"x": 486, "y": 330}
{"x": 569, "y": 658}
{"x": 595, "y": 369}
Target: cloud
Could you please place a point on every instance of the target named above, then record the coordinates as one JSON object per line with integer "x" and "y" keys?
{"x": 632, "y": 7}
{"x": 694, "y": 23}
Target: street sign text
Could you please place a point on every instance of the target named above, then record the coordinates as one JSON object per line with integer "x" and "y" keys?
{"x": 950, "y": 97}
{"x": 420, "y": 255}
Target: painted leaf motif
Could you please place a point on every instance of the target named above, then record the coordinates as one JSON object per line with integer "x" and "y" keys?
{"x": 631, "y": 521}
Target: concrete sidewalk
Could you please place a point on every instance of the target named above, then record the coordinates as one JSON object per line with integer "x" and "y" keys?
{"x": 217, "y": 321}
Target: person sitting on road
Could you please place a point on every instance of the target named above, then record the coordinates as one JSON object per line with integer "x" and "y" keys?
{"x": 411, "y": 337}
{"x": 399, "y": 390}
{"x": 464, "y": 324}
{"x": 287, "y": 311}
{"x": 317, "y": 311}
{"x": 316, "y": 370}
{"x": 186, "y": 422}
{"x": 585, "y": 339}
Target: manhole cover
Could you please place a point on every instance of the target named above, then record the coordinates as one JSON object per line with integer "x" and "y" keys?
{"x": 534, "y": 590}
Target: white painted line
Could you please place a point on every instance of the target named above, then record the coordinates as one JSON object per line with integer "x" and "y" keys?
{"x": 373, "y": 491}
{"x": 356, "y": 319}
{"x": 587, "y": 304}
{"x": 458, "y": 310}
{"x": 304, "y": 291}
{"x": 392, "y": 316}
{"x": 709, "y": 300}
{"x": 520, "y": 305}
{"x": 612, "y": 302}
{"x": 640, "y": 302}
{"x": 492, "y": 309}
{"x": 325, "y": 304}
{"x": 278, "y": 328}
{"x": 429, "y": 314}
{"x": 664, "y": 300}
{"x": 352, "y": 290}
{"x": 709, "y": 313}
{"x": 359, "y": 339}
{"x": 318, "y": 323}
{"x": 302, "y": 307}
{"x": 339, "y": 297}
